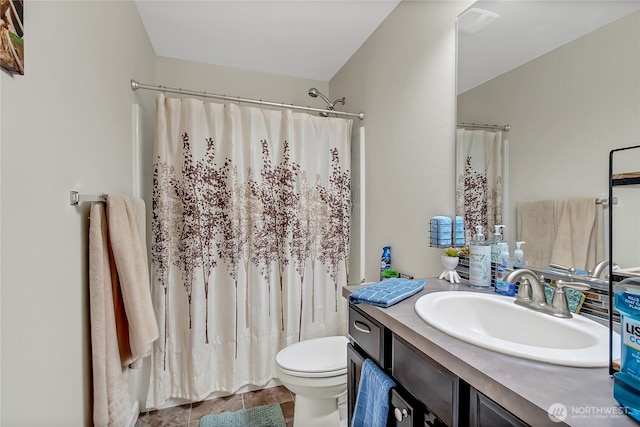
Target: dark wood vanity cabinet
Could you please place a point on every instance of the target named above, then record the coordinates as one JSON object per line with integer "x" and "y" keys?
{"x": 355, "y": 359}
{"x": 441, "y": 392}
{"x": 370, "y": 339}
{"x": 428, "y": 394}
{"x": 367, "y": 340}
{"x": 486, "y": 412}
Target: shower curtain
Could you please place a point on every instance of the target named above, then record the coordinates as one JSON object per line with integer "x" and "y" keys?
{"x": 480, "y": 170}
{"x": 251, "y": 217}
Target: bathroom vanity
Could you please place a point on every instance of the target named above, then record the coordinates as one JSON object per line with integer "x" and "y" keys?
{"x": 443, "y": 381}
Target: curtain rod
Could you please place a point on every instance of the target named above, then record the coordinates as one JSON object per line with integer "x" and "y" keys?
{"x": 505, "y": 128}
{"x": 135, "y": 86}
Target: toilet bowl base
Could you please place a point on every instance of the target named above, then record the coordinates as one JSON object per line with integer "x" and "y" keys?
{"x": 316, "y": 412}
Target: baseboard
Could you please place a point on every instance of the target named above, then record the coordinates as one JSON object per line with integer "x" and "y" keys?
{"x": 133, "y": 418}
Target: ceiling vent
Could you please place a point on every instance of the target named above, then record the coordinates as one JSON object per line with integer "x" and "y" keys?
{"x": 473, "y": 20}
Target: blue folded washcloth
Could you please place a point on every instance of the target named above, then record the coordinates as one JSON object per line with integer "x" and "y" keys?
{"x": 386, "y": 293}
{"x": 441, "y": 228}
{"x": 372, "y": 401}
{"x": 459, "y": 237}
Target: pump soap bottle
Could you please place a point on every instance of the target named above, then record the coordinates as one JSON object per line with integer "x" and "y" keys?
{"x": 495, "y": 244}
{"x": 502, "y": 287}
{"x": 479, "y": 261}
{"x": 518, "y": 256}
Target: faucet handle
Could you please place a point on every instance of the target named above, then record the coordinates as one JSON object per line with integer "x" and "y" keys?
{"x": 578, "y": 286}
{"x": 559, "y": 304}
{"x": 562, "y": 267}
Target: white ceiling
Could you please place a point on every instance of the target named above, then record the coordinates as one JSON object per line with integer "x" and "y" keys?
{"x": 315, "y": 38}
{"x": 301, "y": 38}
{"x": 526, "y": 30}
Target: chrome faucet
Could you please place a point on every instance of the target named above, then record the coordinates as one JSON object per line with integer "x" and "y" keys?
{"x": 531, "y": 293}
{"x": 595, "y": 273}
{"x": 600, "y": 268}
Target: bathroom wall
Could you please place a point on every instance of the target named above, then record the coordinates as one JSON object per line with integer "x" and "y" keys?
{"x": 403, "y": 78}
{"x": 66, "y": 124}
{"x": 567, "y": 109}
{"x": 235, "y": 82}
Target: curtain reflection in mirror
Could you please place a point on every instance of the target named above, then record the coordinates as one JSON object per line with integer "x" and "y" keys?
{"x": 480, "y": 177}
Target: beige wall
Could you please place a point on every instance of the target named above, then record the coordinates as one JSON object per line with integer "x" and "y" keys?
{"x": 66, "y": 124}
{"x": 234, "y": 82}
{"x": 567, "y": 110}
{"x": 403, "y": 78}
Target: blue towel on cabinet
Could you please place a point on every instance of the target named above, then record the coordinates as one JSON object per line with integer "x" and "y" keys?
{"x": 441, "y": 228}
{"x": 386, "y": 293}
{"x": 372, "y": 401}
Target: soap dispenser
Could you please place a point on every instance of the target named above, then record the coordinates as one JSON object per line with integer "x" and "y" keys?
{"x": 502, "y": 287}
{"x": 479, "y": 261}
{"x": 495, "y": 244}
{"x": 518, "y": 256}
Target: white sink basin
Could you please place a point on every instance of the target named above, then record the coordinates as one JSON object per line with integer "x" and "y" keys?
{"x": 494, "y": 322}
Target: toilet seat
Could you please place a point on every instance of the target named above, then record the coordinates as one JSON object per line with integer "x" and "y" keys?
{"x": 313, "y": 358}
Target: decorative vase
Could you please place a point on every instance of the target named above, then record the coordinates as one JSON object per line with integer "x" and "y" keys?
{"x": 450, "y": 262}
{"x": 449, "y": 273}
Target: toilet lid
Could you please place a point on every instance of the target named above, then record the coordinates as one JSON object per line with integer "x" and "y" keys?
{"x": 327, "y": 355}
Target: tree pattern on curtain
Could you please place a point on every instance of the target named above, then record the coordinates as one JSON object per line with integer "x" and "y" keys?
{"x": 203, "y": 215}
{"x": 250, "y": 241}
{"x": 479, "y": 182}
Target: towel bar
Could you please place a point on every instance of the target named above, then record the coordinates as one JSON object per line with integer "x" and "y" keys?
{"x": 76, "y": 198}
{"x": 605, "y": 202}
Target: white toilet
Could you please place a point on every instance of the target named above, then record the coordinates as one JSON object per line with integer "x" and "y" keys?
{"x": 316, "y": 371}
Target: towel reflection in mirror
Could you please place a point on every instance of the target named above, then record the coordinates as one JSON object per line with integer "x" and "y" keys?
{"x": 566, "y": 232}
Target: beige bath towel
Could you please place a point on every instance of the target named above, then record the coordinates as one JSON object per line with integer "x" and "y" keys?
{"x": 535, "y": 222}
{"x": 126, "y": 230}
{"x": 123, "y": 322}
{"x": 111, "y": 406}
{"x": 567, "y": 232}
{"x": 579, "y": 234}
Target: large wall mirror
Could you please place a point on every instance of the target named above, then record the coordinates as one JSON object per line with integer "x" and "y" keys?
{"x": 565, "y": 76}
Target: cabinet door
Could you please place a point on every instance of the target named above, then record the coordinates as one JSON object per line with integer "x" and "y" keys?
{"x": 432, "y": 384}
{"x": 354, "y": 368}
{"x": 487, "y": 413}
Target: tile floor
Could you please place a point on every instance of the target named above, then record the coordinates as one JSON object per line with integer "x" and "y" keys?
{"x": 189, "y": 415}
